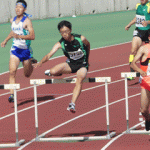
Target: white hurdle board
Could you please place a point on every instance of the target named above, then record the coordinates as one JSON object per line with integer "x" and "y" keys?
{"x": 133, "y": 130}
{"x": 14, "y": 87}
{"x": 73, "y": 80}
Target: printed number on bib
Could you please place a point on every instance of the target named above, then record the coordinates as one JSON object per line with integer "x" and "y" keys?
{"x": 139, "y": 20}
{"x": 76, "y": 54}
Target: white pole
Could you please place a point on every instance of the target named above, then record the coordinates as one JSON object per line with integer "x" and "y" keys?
{"x": 36, "y": 111}
{"x": 127, "y": 105}
{"x": 107, "y": 106}
{"x": 16, "y": 116}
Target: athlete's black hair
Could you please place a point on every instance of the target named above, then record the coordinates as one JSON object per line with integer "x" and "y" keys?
{"x": 22, "y": 1}
{"x": 64, "y": 23}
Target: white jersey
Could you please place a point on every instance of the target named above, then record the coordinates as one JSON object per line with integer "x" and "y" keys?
{"x": 18, "y": 29}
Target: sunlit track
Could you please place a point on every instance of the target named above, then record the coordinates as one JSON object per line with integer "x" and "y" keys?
{"x": 117, "y": 101}
{"x": 61, "y": 97}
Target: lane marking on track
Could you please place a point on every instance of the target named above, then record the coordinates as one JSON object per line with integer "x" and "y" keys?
{"x": 73, "y": 76}
{"x": 117, "y": 137}
{"x": 58, "y": 98}
{"x": 62, "y": 124}
{"x": 64, "y": 56}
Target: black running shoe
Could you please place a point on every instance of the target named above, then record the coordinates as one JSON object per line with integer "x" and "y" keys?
{"x": 147, "y": 125}
{"x": 11, "y": 98}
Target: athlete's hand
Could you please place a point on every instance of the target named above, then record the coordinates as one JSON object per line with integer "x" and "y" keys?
{"x": 144, "y": 23}
{"x": 142, "y": 73}
{"x": 3, "y": 43}
{"x": 127, "y": 27}
{"x": 37, "y": 65}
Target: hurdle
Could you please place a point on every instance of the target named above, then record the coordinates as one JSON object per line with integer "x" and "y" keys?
{"x": 18, "y": 143}
{"x": 133, "y": 129}
{"x": 36, "y": 82}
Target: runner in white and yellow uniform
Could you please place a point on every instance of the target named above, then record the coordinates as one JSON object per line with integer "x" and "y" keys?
{"x": 142, "y": 30}
{"x": 22, "y": 34}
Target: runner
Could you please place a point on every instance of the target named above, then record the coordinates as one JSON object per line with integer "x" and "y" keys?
{"x": 142, "y": 30}
{"x": 76, "y": 48}
{"x": 22, "y": 34}
{"x": 144, "y": 55}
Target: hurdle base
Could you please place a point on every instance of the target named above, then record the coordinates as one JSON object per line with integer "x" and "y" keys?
{"x": 139, "y": 132}
{"x": 17, "y": 144}
{"x": 76, "y": 139}
{"x": 37, "y": 139}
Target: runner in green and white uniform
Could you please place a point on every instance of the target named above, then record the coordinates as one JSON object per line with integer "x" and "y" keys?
{"x": 142, "y": 30}
{"x": 76, "y": 48}
{"x": 76, "y": 52}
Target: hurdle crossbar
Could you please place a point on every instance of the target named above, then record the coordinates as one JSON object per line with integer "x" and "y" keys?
{"x": 72, "y": 80}
{"x": 133, "y": 130}
{"x": 14, "y": 87}
{"x": 51, "y": 81}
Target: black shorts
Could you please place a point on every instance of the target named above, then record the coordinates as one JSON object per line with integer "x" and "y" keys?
{"x": 143, "y": 34}
{"x": 75, "y": 67}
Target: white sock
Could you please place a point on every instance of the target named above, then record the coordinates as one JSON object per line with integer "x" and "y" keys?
{"x": 72, "y": 103}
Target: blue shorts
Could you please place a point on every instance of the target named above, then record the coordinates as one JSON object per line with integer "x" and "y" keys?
{"x": 22, "y": 54}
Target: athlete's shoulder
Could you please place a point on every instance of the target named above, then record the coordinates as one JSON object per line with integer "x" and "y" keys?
{"x": 137, "y": 5}
{"x": 76, "y": 35}
{"x": 61, "y": 40}
{"x": 148, "y": 4}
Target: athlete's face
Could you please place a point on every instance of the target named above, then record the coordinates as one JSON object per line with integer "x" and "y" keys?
{"x": 144, "y": 2}
{"x": 65, "y": 32}
{"x": 19, "y": 10}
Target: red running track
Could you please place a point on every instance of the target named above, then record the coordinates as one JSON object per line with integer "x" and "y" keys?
{"x": 109, "y": 61}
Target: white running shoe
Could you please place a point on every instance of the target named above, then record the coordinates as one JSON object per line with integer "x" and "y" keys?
{"x": 47, "y": 73}
{"x": 71, "y": 108}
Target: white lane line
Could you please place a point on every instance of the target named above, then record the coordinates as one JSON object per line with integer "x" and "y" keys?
{"x": 58, "y": 98}
{"x": 63, "y": 55}
{"x": 74, "y": 76}
{"x": 62, "y": 124}
{"x": 117, "y": 137}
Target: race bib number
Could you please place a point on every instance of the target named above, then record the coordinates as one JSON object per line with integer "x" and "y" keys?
{"x": 139, "y": 20}
{"x": 76, "y": 54}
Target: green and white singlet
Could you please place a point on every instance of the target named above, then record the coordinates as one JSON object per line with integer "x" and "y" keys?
{"x": 142, "y": 14}
{"x": 75, "y": 50}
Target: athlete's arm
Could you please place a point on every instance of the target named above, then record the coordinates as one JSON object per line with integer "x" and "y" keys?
{"x": 145, "y": 23}
{"x": 134, "y": 66}
{"x": 87, "y": 43}
{"x": 55, "y": 48}
{"x": 130, "y": 24}
{"x": 28, "y": 26}
{"x": 8, "y": 37}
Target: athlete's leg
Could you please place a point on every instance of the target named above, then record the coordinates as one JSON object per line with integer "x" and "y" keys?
{"x": 60, "y": 69}
{"x": 145, "y": 101}
{"x": 13, "y": 65}
{"x": 136, "y": 43}
{"x": 81, "y": 74}
{"x": 28, "y": 68}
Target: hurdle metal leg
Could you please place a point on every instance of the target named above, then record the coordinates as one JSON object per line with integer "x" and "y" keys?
{"x": 36, "y": 111}
{"x": 18, "y": 143}
{"x": 133, "y": 129}
{"x": 127, "y": 104}
{"x": 41, "y": 139}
